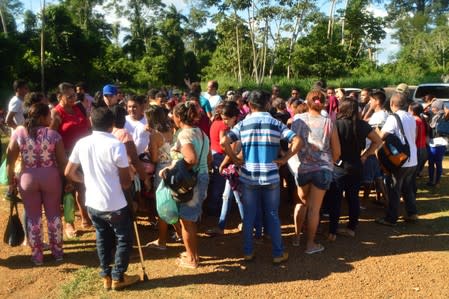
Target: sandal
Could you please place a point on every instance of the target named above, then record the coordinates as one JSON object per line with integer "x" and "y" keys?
{"x": 346, "y": 232}
{"x": 184, "y": 263}
{"x": 70, "y": 232}
{"x": 317, "y": 249}
{"x": 296, "y": 240}
{"x": 214, "y": 232}
{"x": 155, "y": 245}
{"x": 332, "y": 237}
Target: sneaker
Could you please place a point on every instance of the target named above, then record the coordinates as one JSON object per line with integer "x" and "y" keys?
{"x": 126, "y": 281}
{"x": 411, "y": 218}
{"x": 280, "y": 259}
{"x": 384, "y": 221}
{"x": 107, "y": 282}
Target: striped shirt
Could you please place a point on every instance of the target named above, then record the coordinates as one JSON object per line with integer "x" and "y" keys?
{"x": 260, "y": 134}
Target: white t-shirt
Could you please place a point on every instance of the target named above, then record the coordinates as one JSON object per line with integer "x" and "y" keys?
{"x": 409, "y": 125}
{"x": 378, "y": 118}
{"x": 137, "y": 130}
{"x": 213, "y": 100}
{"x": 16, "y": 105}
{"x": 101, "y": 155}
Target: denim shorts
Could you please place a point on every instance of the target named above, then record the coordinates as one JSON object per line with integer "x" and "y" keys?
{"x": 191, "y": 210}
{"x": 371, "y": 170}
{"x": 322, "y": 179}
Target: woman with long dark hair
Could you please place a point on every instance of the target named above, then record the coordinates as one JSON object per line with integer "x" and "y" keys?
{"x": 352, "y": 132}
{"x": 39, "y": 184}
{"x": 193, "y": 145}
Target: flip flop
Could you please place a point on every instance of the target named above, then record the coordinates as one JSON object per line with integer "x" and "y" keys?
{"x": 317, "y": 249}
{"x": 183, "y": 263}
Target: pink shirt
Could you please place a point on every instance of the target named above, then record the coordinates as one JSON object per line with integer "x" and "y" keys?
{"x": 40, "y": 151}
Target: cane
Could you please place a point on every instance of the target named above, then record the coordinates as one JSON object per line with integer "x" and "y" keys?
{"x": 144, "y": 276}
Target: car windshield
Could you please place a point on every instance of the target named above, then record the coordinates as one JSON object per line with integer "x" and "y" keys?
{"x": 439, "y": 91}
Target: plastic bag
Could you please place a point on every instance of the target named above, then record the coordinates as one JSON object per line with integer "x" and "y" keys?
{"x": 14, "y": 234}
{"x": 166, "y": 205}
{"x": 68, "y": 202}
{"x": 3, "y": 174}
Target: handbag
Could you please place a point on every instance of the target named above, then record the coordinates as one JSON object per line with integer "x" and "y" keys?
{"x": 181, "y": 179}
{"x": 166, "y": 206}
{"x": 393, "y": 153}
{"x": 14, "y": 234}
{"x": 442, "y": 127}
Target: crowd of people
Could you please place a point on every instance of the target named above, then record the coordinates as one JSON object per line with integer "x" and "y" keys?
{"x": 113, "y": 151}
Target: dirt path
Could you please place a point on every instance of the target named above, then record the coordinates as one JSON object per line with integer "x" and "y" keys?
{"x": 408, "y": 261}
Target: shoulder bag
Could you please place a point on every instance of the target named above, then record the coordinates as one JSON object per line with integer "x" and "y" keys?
{"x": 393, "y": 154}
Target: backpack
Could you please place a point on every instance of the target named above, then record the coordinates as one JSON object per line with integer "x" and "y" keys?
{"x": 393, "y": 154}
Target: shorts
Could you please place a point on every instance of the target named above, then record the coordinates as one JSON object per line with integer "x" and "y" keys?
{"x": 321, "y": 179}
{"x": 191, "y": 210}
{"x": 371, "y": 170}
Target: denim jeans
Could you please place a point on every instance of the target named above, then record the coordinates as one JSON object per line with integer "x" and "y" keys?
{"x": 225, "y": 208}
{"x": 113, "y": 230}
{"x": 216, "y": 187}
{"x": 436, "y": 155}
{"x": 350, "y": 185}
{"x": 267, "y": 197}
{"x": 401, "y": 181}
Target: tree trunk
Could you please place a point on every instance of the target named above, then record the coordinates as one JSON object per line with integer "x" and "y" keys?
{"x": 330, "y": 26}
{"x": 43, "y": 49}
{"x": 253, "y": 46}
{"x": 5, "y": 30}
{"x": 237, "y": 43}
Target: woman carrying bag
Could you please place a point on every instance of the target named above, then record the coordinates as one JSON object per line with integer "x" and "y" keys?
{"x": 43, "y": 160}
{"x": 193, "y": 145}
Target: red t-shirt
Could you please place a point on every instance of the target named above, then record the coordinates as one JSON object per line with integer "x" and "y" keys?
{"x": 421, "y": 133}
{"x": 73, "y": 126}
{"x": 215, "y": 129}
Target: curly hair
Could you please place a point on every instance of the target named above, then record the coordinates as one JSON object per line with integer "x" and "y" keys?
{"x": 187, "y": 112}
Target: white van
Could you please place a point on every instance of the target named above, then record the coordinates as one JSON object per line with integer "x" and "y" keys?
{"x": 439, "y": 90}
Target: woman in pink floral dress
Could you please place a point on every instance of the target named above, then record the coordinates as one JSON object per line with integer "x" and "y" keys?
{"x": 43, "y": 159}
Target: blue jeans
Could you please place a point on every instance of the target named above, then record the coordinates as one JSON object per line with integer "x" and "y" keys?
{"x": 267, "y": 197}
{"x": 225, "y": 208}
{"x": 216, "y": 187}
{"x": 113, "y": 230}
{"x": 436, "y": 155}
{"x": 401, "y": 181}
{"x": 350, "y": 185}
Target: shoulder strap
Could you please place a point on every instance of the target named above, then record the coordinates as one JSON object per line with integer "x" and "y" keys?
{"x": 401, "y": 128}
{"x": 202, "y": 147}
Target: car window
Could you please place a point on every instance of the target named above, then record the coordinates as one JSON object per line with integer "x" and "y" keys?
{"x": 439, "y": 91}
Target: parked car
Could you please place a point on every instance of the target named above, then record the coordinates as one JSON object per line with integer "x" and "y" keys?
{"x": 350, "y": 90}
{"x": 439, "y": 90}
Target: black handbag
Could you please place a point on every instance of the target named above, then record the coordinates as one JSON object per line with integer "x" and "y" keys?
{"x": 181, "y": 180}
{"x": 393, "y": 153}
{"x": 14, "y": 234}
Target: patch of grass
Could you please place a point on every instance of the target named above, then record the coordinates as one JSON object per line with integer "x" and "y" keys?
{"x": 84, "y": 281}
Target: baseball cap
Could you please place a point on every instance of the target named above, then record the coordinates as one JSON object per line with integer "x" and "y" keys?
{"x": 402, "y": 88}
{"x": 109, "y": 90}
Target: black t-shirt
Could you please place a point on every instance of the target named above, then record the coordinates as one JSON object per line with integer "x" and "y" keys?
{"x": 352, "y": 146}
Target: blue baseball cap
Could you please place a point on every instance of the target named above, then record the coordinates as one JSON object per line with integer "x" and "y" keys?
{"x": 109, "y": 90}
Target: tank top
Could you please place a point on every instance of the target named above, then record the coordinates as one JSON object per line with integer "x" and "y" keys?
{"x": 73, "y": 126}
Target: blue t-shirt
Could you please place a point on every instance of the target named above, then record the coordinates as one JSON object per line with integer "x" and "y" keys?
{"x": 260, "y": 135}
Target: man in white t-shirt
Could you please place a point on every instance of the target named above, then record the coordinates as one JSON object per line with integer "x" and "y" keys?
{"x": 406, "y": 175}
{"x": 211, "y": 95}
{"x": 15, "y": 115}
{"x": 104, "y": 162}
{"x": 136, "y": 123}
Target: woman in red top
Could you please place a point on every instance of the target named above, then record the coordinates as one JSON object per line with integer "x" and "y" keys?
{"x": 417, "y": 111}
{"x": 72, "y": 124}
